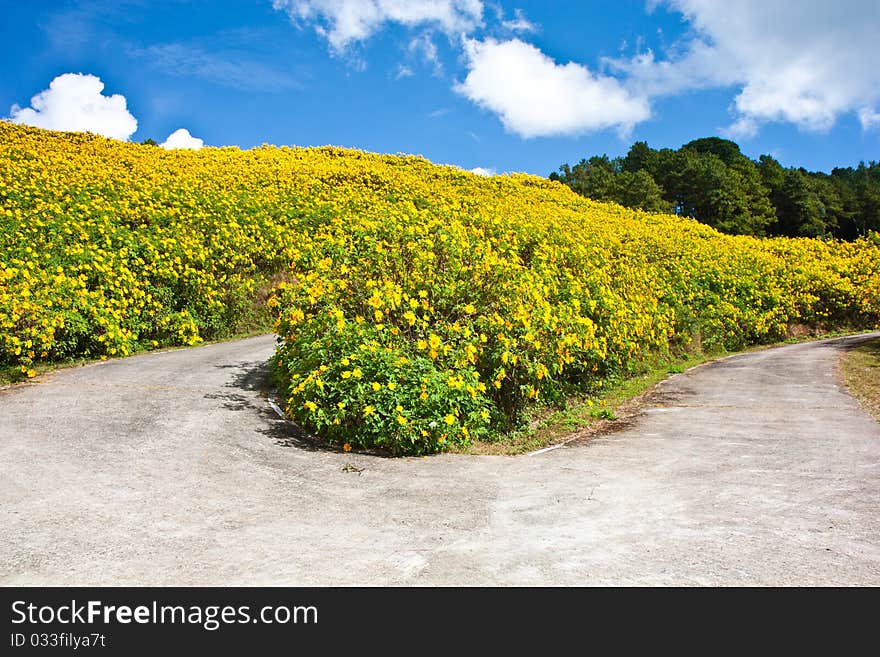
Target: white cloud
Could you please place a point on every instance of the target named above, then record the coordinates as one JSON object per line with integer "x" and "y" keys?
{"x": 403, "y": 72}
{"x": 519, "y": 23}
{"x": 744, "y": 127}
{"x": 534, "y": 96}
{"x": 74, "y": 102}
{"x": 181, "y": 138}
{"x": 343, "y": 22}
{"x": 484, "y": 171}
{"x": 869, "y": 118}
{"x": 424, "y": 45}
{"x": 803, "y": 62}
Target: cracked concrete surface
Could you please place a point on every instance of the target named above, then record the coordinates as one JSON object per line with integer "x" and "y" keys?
{"x": 172, "y": 469}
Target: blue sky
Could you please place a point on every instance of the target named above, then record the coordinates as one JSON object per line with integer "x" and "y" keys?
{"x": 498, "y": 84}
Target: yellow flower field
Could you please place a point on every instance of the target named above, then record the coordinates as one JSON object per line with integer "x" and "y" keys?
{"x": 418, "y": 306}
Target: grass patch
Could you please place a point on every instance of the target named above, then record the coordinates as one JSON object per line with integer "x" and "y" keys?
{"x": 860, "y": 369}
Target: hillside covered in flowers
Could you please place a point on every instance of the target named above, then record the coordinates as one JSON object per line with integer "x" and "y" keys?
{"x": 418, "y": 306}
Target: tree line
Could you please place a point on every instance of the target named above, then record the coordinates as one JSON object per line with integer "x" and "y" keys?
{"x": 712, "y": 181}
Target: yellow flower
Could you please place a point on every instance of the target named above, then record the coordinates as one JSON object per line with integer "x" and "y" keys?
{"x": 369, "y": 410}
{"x": 311, "y": 406}
{"x": 449, "y": 419}
{"x": 356, "y": 373}
{"x": 392, "y": 386}
{"x": 376, "y": 386}
{"x": 402, "y": 420}
{"x": 346, "y": 447}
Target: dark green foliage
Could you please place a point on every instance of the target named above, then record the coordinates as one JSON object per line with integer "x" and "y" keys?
{"x": 711, "y": 180}
{"x": 637, "y": 189}
{"x": 726, "y": 150}
{"x": 603, "y": 179}
{"x": 591, "y": 178}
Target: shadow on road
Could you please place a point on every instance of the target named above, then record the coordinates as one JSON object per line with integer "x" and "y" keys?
{"x": 848, "y": 342}
{"x": 249, "y": 378}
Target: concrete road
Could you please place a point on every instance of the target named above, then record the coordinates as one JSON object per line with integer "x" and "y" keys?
{"x": 171, "y": 468}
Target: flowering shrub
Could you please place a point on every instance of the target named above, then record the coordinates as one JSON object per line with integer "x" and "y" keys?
{"x": 418, "y": 306}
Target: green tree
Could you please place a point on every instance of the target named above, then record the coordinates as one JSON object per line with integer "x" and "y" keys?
{"x": 711, "y": 180}
{"x": 639, "y": 158}
{"x": 799, "y": 209}
{"x": 865, "y": 182}
{"x": 663, "y": 167}
{"x": 759, "y": 214}
{"x": 729, "y": 198}
{"x": 773, "y": 177}
{"x": 591, "y": 178}
{"x": 637, "y": 189}
{"x": 727, "y": 151}
{"x": 744, "y": 207}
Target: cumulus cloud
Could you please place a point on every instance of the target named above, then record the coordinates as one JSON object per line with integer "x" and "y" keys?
{"x": 181, "y": 138}
{"x": 484, "y": 171}
{"x": 74, "y": 102}
{"x": 343, "y": 22}
{"x": 803, "y": 62}
{"x": 534, "y": 96}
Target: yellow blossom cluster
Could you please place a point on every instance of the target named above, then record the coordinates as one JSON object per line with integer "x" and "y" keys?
{"x": 418, "y": 306}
